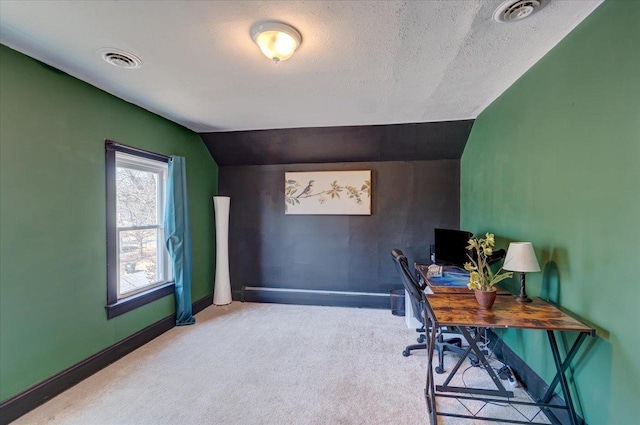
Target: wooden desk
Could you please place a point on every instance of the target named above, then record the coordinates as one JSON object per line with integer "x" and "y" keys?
{"x": 454, "y": 310}
{"x": 459, "y": 287}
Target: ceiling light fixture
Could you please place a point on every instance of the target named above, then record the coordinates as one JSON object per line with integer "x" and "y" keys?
{"x": 276, "y": 40}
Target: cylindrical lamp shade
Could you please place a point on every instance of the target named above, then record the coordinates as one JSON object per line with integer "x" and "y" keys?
{"x": 521, "y": 258}
{"x": 222, "y": 288}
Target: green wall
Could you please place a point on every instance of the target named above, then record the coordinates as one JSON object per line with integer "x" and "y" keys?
{"x": 52, "y": 217}
{"x": 555, "y": 160}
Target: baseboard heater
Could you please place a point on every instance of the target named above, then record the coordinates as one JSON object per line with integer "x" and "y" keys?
{"x": 314, "y": 297}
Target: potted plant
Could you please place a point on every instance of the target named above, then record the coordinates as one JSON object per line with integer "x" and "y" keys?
{"x": 482, "y": 280}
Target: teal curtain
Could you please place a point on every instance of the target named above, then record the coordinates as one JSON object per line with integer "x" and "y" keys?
{"x": 178, "y": 237}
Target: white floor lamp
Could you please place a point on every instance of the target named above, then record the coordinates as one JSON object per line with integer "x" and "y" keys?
{"x": 222, "y": 289}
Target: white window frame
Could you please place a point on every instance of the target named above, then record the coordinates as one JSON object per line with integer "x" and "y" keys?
{"x": 124, "y": 160}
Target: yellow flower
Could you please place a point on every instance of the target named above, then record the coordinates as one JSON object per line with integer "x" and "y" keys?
{"x": 474, "y": 281}
{"x": 472, "y": 244}
{"x": 490, "y": 239}
{"x": 474, "y": 277}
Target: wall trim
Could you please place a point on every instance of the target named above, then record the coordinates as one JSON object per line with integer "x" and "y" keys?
{"x": 27, "y": 400}
{"x": 313, "y": 297}
{"x": 535, "y": 385}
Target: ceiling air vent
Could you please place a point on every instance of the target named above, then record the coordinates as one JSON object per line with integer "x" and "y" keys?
{"x": 121, "y": 59}
{"x": 517, "y": 10}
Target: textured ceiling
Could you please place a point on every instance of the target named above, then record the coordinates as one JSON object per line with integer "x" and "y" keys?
{"x": 360, "y": 62}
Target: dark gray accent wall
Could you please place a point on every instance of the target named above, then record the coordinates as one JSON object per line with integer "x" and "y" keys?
{"x": 395, "y": 142}
{"x": 342, "y": 253}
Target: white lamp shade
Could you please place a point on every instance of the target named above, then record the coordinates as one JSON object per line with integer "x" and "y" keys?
{"x": 521, "y": 258}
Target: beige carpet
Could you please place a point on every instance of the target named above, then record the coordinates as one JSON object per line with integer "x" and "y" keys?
{"x": 252, "y": 363}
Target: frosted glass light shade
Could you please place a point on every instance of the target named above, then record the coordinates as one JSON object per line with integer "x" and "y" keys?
{"x": 521, "y": 258}
{"x": 276, "y": 40}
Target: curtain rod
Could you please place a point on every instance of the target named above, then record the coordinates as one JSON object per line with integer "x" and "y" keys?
{"x": 130, "y": 149}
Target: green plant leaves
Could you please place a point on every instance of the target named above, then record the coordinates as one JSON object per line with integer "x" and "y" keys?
{"x": 482, "y": 277}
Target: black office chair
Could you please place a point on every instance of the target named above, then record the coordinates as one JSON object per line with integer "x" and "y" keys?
{"x": 414, "y": 290}
{"x": 496, "y": 256}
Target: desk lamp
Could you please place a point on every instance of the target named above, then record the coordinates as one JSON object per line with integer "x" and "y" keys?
{"x": 521, "y": 258}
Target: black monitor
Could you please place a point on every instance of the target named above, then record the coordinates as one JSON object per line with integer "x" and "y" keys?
{"x": 451, "y": 246}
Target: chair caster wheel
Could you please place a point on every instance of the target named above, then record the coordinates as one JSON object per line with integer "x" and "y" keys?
{"x": 439, "y": 370}
{"x": 475, "y": 363}
{"x": 406, "y": 353}
{"x": 421, "y": 339}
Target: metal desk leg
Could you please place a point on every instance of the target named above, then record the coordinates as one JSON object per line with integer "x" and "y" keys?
{"x": 565, "y": 365}
{"x": 501, "y": 391}
{"x": 429, "y": 391}
{"x": 561, "y": 368}
{"x": 464, "y": 355}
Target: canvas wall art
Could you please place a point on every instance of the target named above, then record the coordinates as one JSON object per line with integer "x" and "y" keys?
{"x": 328, "y": 192}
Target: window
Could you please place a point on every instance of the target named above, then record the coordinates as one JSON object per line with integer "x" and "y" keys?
{"x": 138, "y": 264}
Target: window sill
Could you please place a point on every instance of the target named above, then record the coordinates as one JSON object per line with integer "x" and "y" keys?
{"x": 131, "y": 303}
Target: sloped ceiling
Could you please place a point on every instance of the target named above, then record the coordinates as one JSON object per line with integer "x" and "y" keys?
{"x": 395, "y": 142}
{"x": 360, "y": 62}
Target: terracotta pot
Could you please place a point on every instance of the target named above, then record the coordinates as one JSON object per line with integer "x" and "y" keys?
{"x": 485, "y": 298}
